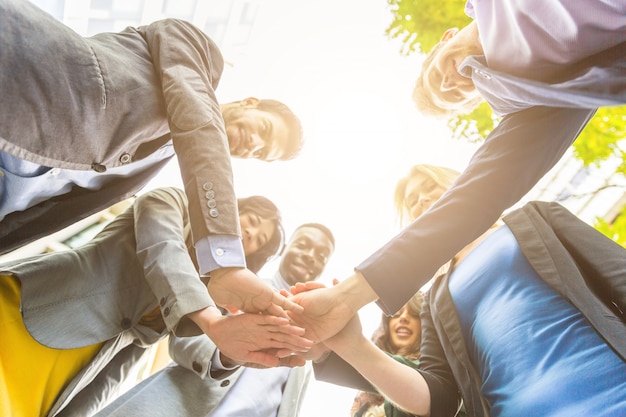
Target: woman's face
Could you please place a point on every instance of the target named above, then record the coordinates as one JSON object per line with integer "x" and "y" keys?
{"x": 256, "y": 231}
{"x": 405, "y": 331}
{"x": 420, "y": 193}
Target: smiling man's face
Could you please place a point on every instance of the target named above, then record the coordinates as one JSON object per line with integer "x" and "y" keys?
{"x": 306, "y": 255}
{"x": 254, "y": 133}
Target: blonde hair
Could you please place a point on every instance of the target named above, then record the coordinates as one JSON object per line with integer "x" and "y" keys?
{"x": 443, "y": 177}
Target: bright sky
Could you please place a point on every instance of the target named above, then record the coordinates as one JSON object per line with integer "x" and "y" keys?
{"x": 331, "y": 63}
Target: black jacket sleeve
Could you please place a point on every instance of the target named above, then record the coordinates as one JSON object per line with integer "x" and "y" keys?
{"x": 514, "y": 157}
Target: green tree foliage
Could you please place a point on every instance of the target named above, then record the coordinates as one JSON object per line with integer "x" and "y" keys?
{"x": 615, "y": 230}
{"x": 599, "y": 140}
{"x": 419, "y": 24}
{"x": 475, "y": 126}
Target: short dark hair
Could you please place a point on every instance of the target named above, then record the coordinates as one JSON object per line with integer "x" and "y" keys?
{"x": 296, "y": 135}
{"x": 320, "y": 227}
{"x": 265, "y": 208}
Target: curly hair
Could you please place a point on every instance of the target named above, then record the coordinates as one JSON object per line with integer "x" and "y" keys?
{"x": 382, "y": 335}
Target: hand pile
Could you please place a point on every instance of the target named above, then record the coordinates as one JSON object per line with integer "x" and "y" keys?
{"x": 273, "y": 328}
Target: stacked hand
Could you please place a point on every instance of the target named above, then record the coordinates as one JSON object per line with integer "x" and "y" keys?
{"x": 328, "y": 310}
{"x": 271, "y": 339}
{"x": 263, "y": 335}
{"x": 253, "y": 339}
{"x": 324, "y": 312}
{"x": 241, "y": 289}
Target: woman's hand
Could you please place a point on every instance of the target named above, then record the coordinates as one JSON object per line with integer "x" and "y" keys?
{"x": 251, "y": 338}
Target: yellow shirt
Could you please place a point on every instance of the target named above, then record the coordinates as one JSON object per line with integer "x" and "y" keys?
{"x": 31, "y": 375}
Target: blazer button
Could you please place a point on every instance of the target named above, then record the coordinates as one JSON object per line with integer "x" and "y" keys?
{"x": 126, "y": 323}
{"x": 162, "y": 301}
{"x": 484, "y": 74}
{"x": 166, "y": 312}
{"x": 207, "y": 186}
{"x": 196, "y": 366}
{"x": 213, "y": 212}
{"x": 210, "y": 194}
{"x": 98, "y": 167}
{"x": 225, "y": 383}
{"x": 211, "y": 203}
{"x": 125, "y": 158}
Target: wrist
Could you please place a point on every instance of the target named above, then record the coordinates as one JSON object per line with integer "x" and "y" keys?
{"x": 206, "y": 317}
{"x": 218, "y": 273}
{"x": 227, "y": 362}
{"x": 349, "y": 350}
{"x": 356, "y": 292}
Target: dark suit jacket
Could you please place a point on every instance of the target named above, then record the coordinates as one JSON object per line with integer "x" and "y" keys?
{"x": 106, "y": 101}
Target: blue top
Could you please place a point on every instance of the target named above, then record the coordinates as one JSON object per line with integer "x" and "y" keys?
{"x": 535, "y": 353}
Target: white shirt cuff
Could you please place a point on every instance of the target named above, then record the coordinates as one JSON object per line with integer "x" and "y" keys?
{"x": 219, "y": 251}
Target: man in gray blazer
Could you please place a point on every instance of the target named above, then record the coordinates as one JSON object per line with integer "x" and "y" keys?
{"x": 86, "y": 122}
{"x": 126, "y": 289}
{"x": 203, "y": 381}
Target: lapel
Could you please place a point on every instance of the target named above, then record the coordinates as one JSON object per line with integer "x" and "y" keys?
{"x": 580, "y": 263}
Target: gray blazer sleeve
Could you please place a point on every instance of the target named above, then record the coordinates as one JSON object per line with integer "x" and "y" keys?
{"x": 180, "y": 389}
{"x": 106, "y": 385}
{"x": 190, "y": 65}
{"x": 161, "y": 218}
{"x": 196, "y": 354}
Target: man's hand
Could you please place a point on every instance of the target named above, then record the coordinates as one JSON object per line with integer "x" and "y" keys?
{"x": 251, "y": 338}
{"x": 239, "y": 288}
